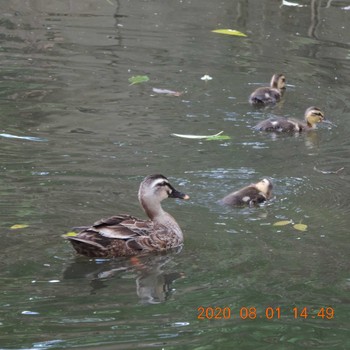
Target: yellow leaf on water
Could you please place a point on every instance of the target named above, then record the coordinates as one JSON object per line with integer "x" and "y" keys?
{"x": 18, "y": 226}
{"x": 70, "y": 234}
{"x": 282, "y": 223}
{"x": 229, "y": 32}
{"x": 300, "y": 227}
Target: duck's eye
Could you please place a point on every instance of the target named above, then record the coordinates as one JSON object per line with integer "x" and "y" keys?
{"x": 164, "y": 183}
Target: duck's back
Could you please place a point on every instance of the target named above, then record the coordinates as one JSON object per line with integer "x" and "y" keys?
{"x": 279, "y": 124}
{"x": 246, "y": 196}
{"x": 264, "y": 95}
{"x": 114, "y": 236}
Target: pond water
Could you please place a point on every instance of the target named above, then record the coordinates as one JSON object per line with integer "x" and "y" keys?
{"x": 76, "y": 140}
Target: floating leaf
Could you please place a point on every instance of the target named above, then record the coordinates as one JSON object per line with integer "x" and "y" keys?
{"x": 29, "y": 138}
{"x": 18, "y": 226}
{"x": 167, "y": 92}
{"x": 197, "y": 137}
{"x": 300, "y": 227}
{"x": 288, "y": 3}
{"x": 138, "y": 79}
{"x": 229, "y": 32}
{"x": 26, "y": 312}
{"x": 282, "y": 223}
{"x": 70, "y": 234}
{"x": 218, "y": 137}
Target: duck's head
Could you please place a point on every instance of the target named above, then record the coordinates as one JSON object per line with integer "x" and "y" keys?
{"x": 264, "y": 186}
{"x": 278, "y": 81}
{"x": 155, "y": 188}
{"x": 313, "y": 115}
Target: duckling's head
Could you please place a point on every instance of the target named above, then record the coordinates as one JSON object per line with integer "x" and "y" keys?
{"x": 278, "y": 81}
{"x": 264, "y": 186}
{"x": 313, "y": 115}
{"x": 155, "y": 188}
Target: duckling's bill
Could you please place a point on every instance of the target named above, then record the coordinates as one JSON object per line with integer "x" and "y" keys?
{"x": 327, "y": 121}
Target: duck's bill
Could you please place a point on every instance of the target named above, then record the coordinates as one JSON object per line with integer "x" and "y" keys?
{"x": 326, "y": 121}
{"x": 177, "y": 194}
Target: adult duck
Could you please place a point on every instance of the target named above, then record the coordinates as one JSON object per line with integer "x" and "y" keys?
{"x": 126, "y": 235}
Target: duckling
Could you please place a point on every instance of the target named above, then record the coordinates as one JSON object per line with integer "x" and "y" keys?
{"x": 251, "y": 195}
{"x": 269, "y": 95}
{"x": 313, "y": 115}
{"x": 126, "y": 235}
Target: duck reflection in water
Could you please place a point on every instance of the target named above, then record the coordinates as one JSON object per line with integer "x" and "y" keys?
{"x": 153, "y": 280}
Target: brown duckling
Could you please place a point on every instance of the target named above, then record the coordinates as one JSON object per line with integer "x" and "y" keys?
{"x": 269, "y": 94}
{"x": 251, "y": 195}
{"x": 126, "y": 235}
{"x": 313, "y": 115}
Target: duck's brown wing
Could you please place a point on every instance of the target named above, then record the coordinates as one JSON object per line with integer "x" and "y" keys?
{"x": 114, "y": 220}
{"x": 111, "y": 237}
{"x": 122, "y": 227}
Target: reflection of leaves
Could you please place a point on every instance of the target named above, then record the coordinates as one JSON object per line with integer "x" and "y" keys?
{"x": 18, "y": 226}
{"x": 137, "y": 79}
{"x": 300, "y": 227}
{"x": 229, "y": 32}
{"x": 167, "y": 92}
{"x": 282, "y": 223}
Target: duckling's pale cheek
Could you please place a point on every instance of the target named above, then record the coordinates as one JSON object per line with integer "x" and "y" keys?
{"x": 246, "y": 199}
